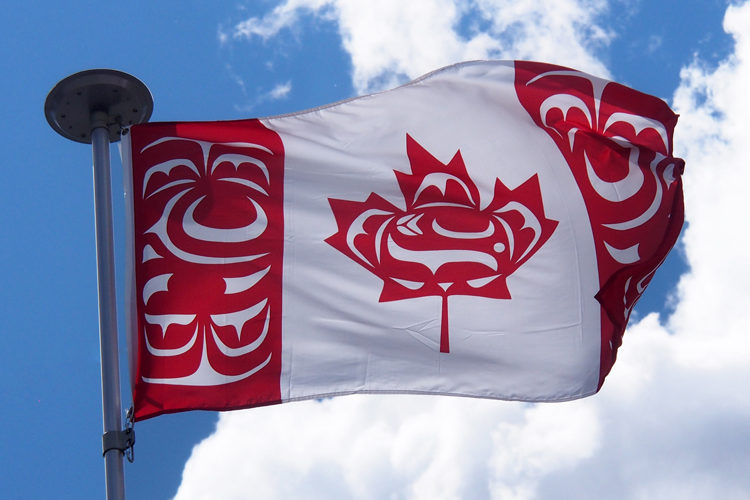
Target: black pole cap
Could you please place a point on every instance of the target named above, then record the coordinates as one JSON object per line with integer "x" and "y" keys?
{"x": 71, "y": 104}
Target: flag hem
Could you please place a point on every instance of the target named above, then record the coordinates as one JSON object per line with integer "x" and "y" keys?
{"x": 373, "y": 392}
{"x": 131, "y": 318}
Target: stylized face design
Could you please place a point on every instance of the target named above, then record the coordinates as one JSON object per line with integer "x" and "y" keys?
{"x": 444, "y": 243}
{"x": 210, "y": 245}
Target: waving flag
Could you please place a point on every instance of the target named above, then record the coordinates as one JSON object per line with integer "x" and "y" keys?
{"x": 482, "y": 231}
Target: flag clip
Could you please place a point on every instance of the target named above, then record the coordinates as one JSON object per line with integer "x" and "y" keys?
{"x": 123, "y": 440}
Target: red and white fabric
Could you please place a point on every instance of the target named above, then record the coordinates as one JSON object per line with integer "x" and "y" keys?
{"x": 483, "y": 231}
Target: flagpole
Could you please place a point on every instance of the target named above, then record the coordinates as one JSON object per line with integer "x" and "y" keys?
{"x": 92, "y": 107}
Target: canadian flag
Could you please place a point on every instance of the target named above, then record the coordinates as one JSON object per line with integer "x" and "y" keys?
{"x": 482, "y": 231}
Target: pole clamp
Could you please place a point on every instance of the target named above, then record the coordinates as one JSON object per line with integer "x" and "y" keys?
{"x": 118, "y": 440}
{"x": 123, "y": 440}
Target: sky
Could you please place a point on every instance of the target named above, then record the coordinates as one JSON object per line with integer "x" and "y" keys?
{"x": 673, "y": 418}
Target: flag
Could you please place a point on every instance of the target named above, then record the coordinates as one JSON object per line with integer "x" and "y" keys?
{"x": 482, "y": 231}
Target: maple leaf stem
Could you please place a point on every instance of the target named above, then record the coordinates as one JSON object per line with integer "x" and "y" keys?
{"x": 444, "y": 344}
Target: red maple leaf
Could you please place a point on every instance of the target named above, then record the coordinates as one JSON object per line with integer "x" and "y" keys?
{"x": 444, "y": 243}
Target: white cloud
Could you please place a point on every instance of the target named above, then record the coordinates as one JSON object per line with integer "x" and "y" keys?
{"x": 375, "y": 447}
{"x": 713, "y": 133}
{"x": 655, "y": 42}
{"x": 391, "y": 41}
{"x": 282, "y": 16}
{"x": 671, "y": 421}
{"x": 280, "y": 91}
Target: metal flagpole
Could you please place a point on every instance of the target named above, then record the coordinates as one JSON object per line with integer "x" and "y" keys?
{"x": 92, "y": 107}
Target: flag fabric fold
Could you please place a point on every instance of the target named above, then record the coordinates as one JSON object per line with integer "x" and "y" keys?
{"x": 482, "y": 231}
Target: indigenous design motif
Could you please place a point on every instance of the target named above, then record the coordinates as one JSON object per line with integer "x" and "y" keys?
{"x": 444, "y": 243}
{"x": 209, "y": 243}
{"x": 618, "y": 144}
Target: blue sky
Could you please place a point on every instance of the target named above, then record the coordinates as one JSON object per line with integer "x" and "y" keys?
{"x": 671, "y": 420}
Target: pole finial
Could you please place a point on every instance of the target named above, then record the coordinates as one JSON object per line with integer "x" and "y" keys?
{"x": 73, "y": 103}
